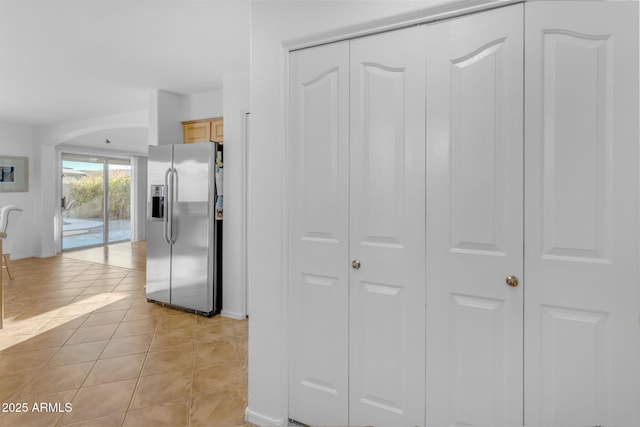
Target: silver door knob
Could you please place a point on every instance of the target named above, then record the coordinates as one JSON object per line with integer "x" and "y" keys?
{"x": 512, "y": 281}
{"x": 355, "y": 264}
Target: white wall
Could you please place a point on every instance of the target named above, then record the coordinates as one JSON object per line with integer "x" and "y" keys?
{"x": 47, "y": 204}
{"x": 139, "y": 197}
{"x": 17, "y": 140}
{"x": 206, "y": 105}
{"x": 236, "y": 102}
{"x": 275, "y": 22}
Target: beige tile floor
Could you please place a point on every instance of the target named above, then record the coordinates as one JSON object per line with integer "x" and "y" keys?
{"x": 81, "y": 334}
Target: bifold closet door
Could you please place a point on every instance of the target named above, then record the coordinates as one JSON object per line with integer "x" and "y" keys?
{"x": 582, "y": 330}
{"x": 387, "y": 228}
{"x": 319, "y": 258}
{"x": 475, "y": 220}
{"x": 357, "y": 305}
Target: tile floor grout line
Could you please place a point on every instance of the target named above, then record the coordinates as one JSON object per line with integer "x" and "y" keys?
{"x": 193, "y": 361}
{"x": 146, "y": 357}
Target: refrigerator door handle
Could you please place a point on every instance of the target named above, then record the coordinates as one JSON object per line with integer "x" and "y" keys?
{"x": 174, "y": 184}
{"x": 172, "y": 198}
{"x": 167, "y": 208}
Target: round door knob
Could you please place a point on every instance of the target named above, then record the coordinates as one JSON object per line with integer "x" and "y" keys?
{"x": 355, "y": 264}
{"x": 512, "y": 281}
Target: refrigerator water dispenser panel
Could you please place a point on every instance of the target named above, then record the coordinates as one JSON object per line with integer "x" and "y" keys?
{"x": 157, "y": 201}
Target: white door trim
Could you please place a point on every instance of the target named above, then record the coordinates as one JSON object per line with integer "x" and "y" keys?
{"x": 422, "y": 16}
{"x": 244, "y": 176}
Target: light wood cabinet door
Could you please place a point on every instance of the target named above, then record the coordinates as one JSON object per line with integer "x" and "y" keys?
{"x": 217, "y": 130}
{"x": 196, "y": 131}
{"x": 203, "y": 131}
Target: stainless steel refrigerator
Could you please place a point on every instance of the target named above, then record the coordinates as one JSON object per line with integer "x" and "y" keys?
{"x": 183, "y": 236}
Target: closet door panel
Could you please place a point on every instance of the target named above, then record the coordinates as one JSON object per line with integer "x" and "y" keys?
{"x": 582, "y": 186}
{"x": 576, "y": 98}
{"x": 382, "y": 154}
{"x": 477, "y": 143}
{"x": 318, "y": 391}
{"x": 474, "y": 219}
{"x": 387, "y": 159}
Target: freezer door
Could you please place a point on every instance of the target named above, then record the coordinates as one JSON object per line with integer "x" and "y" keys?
{"x": 158, "y": 250}
{"x": 193, "y": 231}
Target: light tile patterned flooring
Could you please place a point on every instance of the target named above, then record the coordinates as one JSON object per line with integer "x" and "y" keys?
{"x": 82, "y": 333}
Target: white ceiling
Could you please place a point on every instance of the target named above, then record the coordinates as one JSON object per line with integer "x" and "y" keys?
{"x": 65, "y": 60}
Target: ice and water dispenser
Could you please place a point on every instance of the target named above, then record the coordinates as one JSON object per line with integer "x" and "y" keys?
{"x": 157, "y": 201}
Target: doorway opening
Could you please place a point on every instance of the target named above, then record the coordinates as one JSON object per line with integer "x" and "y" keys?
{"x": 96, "y": 200}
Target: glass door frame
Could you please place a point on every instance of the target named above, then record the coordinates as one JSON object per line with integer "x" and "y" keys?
{"x": 104, "y": 157}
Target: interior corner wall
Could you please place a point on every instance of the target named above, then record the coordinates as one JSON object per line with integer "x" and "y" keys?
{"x": 272, "y": 23}
{"x": 17, "y": 140}
{"x": 153, "y": 118}
{"x": 166, "y": 112}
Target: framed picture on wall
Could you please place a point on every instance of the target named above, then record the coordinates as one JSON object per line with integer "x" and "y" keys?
{"x": 14, "y": 174}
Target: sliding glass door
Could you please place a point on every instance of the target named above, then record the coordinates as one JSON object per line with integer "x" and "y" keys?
{"x": 96, "y": 200}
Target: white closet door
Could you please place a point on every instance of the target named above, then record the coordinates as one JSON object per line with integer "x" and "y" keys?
{"x": 582, "y": 331}
{"x": 387, "y": 158}
{"x": 318, "y": 392}
{"x": 474, "y": 220}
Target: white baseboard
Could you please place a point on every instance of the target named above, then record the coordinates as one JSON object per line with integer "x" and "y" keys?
{"x": 45, "y": 254}
{"x": 233, "y": 315}
{"x": 263, "y": 420}
{"x": 15, "y": 256}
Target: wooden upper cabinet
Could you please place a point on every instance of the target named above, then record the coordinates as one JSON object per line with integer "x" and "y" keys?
{"x": 196, "y": 131}
{"x": 203, "y": 130}
{"x": 217, "y": 130}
